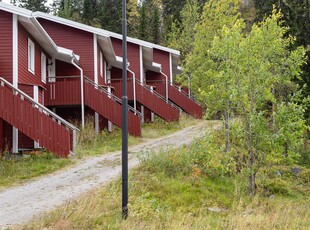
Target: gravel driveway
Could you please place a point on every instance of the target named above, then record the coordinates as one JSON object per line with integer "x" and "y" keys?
{"x": 21, "y": 203}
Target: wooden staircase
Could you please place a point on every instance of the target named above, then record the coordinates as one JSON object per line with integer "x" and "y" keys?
{"x": 36, "y": 121}
{"x": 110, "y": 107}
{"x": 148, "y": 98}
{"x": 178, "y": 97}
{"x": 67, "y": 91}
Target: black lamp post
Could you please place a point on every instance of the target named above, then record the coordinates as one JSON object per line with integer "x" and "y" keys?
{"x": 124, "y": 119}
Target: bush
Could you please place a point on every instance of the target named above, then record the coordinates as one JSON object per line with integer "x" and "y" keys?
{"x": 277, "y": 186}
{"x": 171, "y": 162}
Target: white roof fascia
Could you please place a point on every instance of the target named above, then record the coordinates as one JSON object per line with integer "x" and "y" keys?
{"x": 67, "y": 52}
{"x": 30, "y": 15}
{"x": 59, "y": 50}
{"x": 43, "y": 32}
{"x": 70, "y": 23}
{"x": 118, "y": 59}
{"x": 15, "y": 10}
{"x": 143, "y": 43}
{"x": 155, "y": 67}
{"x": 102, "y": 32}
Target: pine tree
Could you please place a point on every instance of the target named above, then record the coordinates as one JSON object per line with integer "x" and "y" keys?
{"x": 34, "y": 5}
{"x": 143, "y": 23}
{"x": 132, "y": 18}
{"x": 90, "y": 13}
{"x": 110, "y": 15}
{"x": 155, "y": 26}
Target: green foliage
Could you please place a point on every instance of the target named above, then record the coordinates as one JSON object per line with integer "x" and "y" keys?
{"x": 170, "y": 162}
{"x": 163, "y": 198}
{"x": 91, "y": 143}
{"x": 34, "y": 5}
{"x": 181, "y": 33}
{"x": 251, "y": 75}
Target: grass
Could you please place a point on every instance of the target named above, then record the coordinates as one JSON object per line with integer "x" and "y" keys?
{"x": 167, "y": 191}
{"x": 18, "y": 170}
{"x": 160, "y": 127}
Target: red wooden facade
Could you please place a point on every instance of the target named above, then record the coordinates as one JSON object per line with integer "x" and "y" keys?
{"x": 6, "y": 46}
{"x": 35, "y": 121}
{"x": 66, "y": 91}
{"x": 63, "y": 90}
{"x": 19, "y": 104}
{"x": 81, "y": 42}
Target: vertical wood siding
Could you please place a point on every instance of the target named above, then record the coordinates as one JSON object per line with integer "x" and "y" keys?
{"x": 25, "y": 142}
{"x": 1, "y": 136}
{"x": 65, "y": 91}
{"x": 66, "y": 69}
{"x": 111, "y": 109}
{"x": 162, "y": 58}
{"x": 187, "y": 104}
{"x": 6, "y": 45}
{"x": 155, "y": 104}
{"x": 37, "y": 125}
{"x": 81, "y": 42}
{"x": 24, "y": 76}
{"x": 133, "y": 55}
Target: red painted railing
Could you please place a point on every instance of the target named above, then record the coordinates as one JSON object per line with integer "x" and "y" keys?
{"x": 178, "y": 96}
{"x": 188, "y": 104}
{"x": 156, "y": 102}
{"x": 64, "y": 91}
{"x": 149, "y": 98}
{"x": 67, "y": 91}
{"x": 36, "y": 121}
{"x": 118, "y": 88}
{"x": 110, "y": 107}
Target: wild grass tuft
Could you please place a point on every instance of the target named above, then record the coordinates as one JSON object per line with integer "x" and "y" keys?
{"x": 14, "y": 170}
{"x": 160, "y": 127}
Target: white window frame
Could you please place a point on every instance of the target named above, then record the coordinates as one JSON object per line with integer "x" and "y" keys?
{"x": 101, "y": 63}
{"x": 43, "y": 67}
{"x": 31, "y": 56}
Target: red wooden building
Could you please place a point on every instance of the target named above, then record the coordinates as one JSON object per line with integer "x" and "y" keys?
{"x": 74, "y": 70}
{"x": 25, "y": 123}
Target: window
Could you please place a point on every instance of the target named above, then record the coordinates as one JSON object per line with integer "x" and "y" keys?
{"x": 101, "y": 63}
{"x": 31, "y": 56}
{"x": 43, "y": 67}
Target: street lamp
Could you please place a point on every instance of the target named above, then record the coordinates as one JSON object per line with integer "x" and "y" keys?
{"x": 124, "y": 119}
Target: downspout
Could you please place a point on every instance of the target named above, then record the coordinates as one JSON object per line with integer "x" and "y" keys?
{"x": 134, "y": 89}
{"x": 82, "y": 90}
{"x": 166, "y": 85}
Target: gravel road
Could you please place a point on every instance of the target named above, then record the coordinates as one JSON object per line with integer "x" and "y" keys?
{"x": 20, "y": 204}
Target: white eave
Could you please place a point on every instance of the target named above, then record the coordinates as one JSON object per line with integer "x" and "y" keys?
{"x": 106, "y": 35}
{"x": 31, "y": 24}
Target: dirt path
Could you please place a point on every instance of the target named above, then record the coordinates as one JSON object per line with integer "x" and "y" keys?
{"x": 20, "y": 204}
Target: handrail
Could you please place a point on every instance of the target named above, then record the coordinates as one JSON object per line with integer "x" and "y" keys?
{"x": 62, "y": 77}
{"x": 42, "y": 107}
{"x": 114, "y": 98}
{"x": 159, "y": 95}
{"x": 176, "y": 87}
{"x": 185, "y": 94}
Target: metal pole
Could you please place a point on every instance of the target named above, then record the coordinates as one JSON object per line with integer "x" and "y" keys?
{"x": 124, "y": 120}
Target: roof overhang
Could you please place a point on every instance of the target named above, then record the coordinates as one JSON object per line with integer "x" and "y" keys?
{"x": 30, "y": 23}
{"x": 104, "y": 40}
